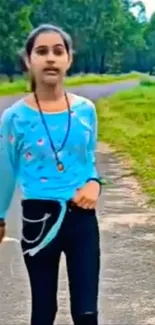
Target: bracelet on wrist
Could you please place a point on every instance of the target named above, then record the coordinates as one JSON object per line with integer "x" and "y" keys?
{"x": 97, "y": 180}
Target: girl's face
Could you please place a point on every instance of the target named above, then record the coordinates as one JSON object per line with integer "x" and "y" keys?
{"x": 49, "y": 60}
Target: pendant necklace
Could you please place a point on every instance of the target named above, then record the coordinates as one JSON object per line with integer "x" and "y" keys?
{"x": 59, "y": 163}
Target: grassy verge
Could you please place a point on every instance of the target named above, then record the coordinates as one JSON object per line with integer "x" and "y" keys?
{"x": 21, "y": 85}
{"x": 99, "y": 79}
{"x": 16, "y": 87}
{"x": 127, "y": 122}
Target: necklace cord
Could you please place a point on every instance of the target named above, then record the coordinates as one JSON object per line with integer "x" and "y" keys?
{"x": 47, "y": 130}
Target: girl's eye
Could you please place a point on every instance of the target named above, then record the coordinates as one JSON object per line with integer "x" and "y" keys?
{"x": 42, "y": 51}
{"x": 45, "y": 51}
{"x": 58, "y": 51}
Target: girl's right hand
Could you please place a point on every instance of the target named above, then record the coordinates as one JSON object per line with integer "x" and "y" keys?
{"x": 2, "y": 233}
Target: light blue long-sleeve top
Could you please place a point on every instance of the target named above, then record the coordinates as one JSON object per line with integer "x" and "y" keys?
{"x": 27, "y": 159}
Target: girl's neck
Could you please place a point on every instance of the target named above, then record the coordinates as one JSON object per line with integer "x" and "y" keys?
{"x": 51, "y": 93}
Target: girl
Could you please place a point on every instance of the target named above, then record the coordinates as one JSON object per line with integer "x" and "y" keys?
{"x": 47, "y": 145}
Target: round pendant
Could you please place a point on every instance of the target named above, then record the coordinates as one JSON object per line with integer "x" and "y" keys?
{"x": 60, "y": 167}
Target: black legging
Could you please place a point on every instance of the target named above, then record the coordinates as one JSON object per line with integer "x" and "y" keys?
{"x": 78, "y": 238}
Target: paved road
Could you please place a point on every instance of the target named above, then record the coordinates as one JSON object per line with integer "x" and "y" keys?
{"x": 91, "y": 91}
{"x": 127, "y": 228}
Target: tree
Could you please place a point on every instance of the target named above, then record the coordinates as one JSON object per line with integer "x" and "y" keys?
{"x": 13, "y": 31}
{"x": 150, "y": 41}
{"x": 108, "y": 36}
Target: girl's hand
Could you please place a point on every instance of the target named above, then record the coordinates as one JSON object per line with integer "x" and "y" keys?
{"x": 87, "y": 196}
{"x": 2, "y": 233}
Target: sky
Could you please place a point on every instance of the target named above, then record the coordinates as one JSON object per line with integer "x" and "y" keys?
{"x": 150, "y": 7}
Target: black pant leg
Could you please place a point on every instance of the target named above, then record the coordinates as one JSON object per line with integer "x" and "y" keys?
{"x": 43, "y": 276}
{"x": 43, "y": 267}
{"x": 82, "y": 250}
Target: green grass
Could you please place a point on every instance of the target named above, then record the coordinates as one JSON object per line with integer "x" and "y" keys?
{"x": 21, "y": 85}
{"x": 127, "y": 123}
{"x": 99, "y": 79}
{"x": 148, "y": 81}
{"x": 17, "y": 87}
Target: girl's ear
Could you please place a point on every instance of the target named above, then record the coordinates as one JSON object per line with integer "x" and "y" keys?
{"x": 23, "y": 61}
{"x": 27, "y": 62}
{"x": 70, "y": 61}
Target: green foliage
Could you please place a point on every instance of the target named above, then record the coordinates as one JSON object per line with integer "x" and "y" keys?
{"x": 15, "y": 25}
{"x": 108, "y": 38}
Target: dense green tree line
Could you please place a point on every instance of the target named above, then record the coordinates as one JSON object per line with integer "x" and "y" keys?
{"x": 108, "y": 37}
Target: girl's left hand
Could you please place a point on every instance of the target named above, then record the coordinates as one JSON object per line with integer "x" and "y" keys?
{"x": 87, "y": 196}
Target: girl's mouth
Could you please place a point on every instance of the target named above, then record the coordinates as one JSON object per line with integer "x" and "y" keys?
{"x": 51, "y": 71}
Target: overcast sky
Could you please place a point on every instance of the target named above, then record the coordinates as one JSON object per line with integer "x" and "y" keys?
{"x": 150, "y": 6}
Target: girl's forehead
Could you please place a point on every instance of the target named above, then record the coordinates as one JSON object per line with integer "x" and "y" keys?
{"x": 48, "y": 39}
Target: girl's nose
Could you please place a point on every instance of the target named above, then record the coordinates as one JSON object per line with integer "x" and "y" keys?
{"x": 50, "y": 57}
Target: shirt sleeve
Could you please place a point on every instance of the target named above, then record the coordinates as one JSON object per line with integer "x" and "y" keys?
{"x": 93, "y": 172}
{"x": 8, "y": 162}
